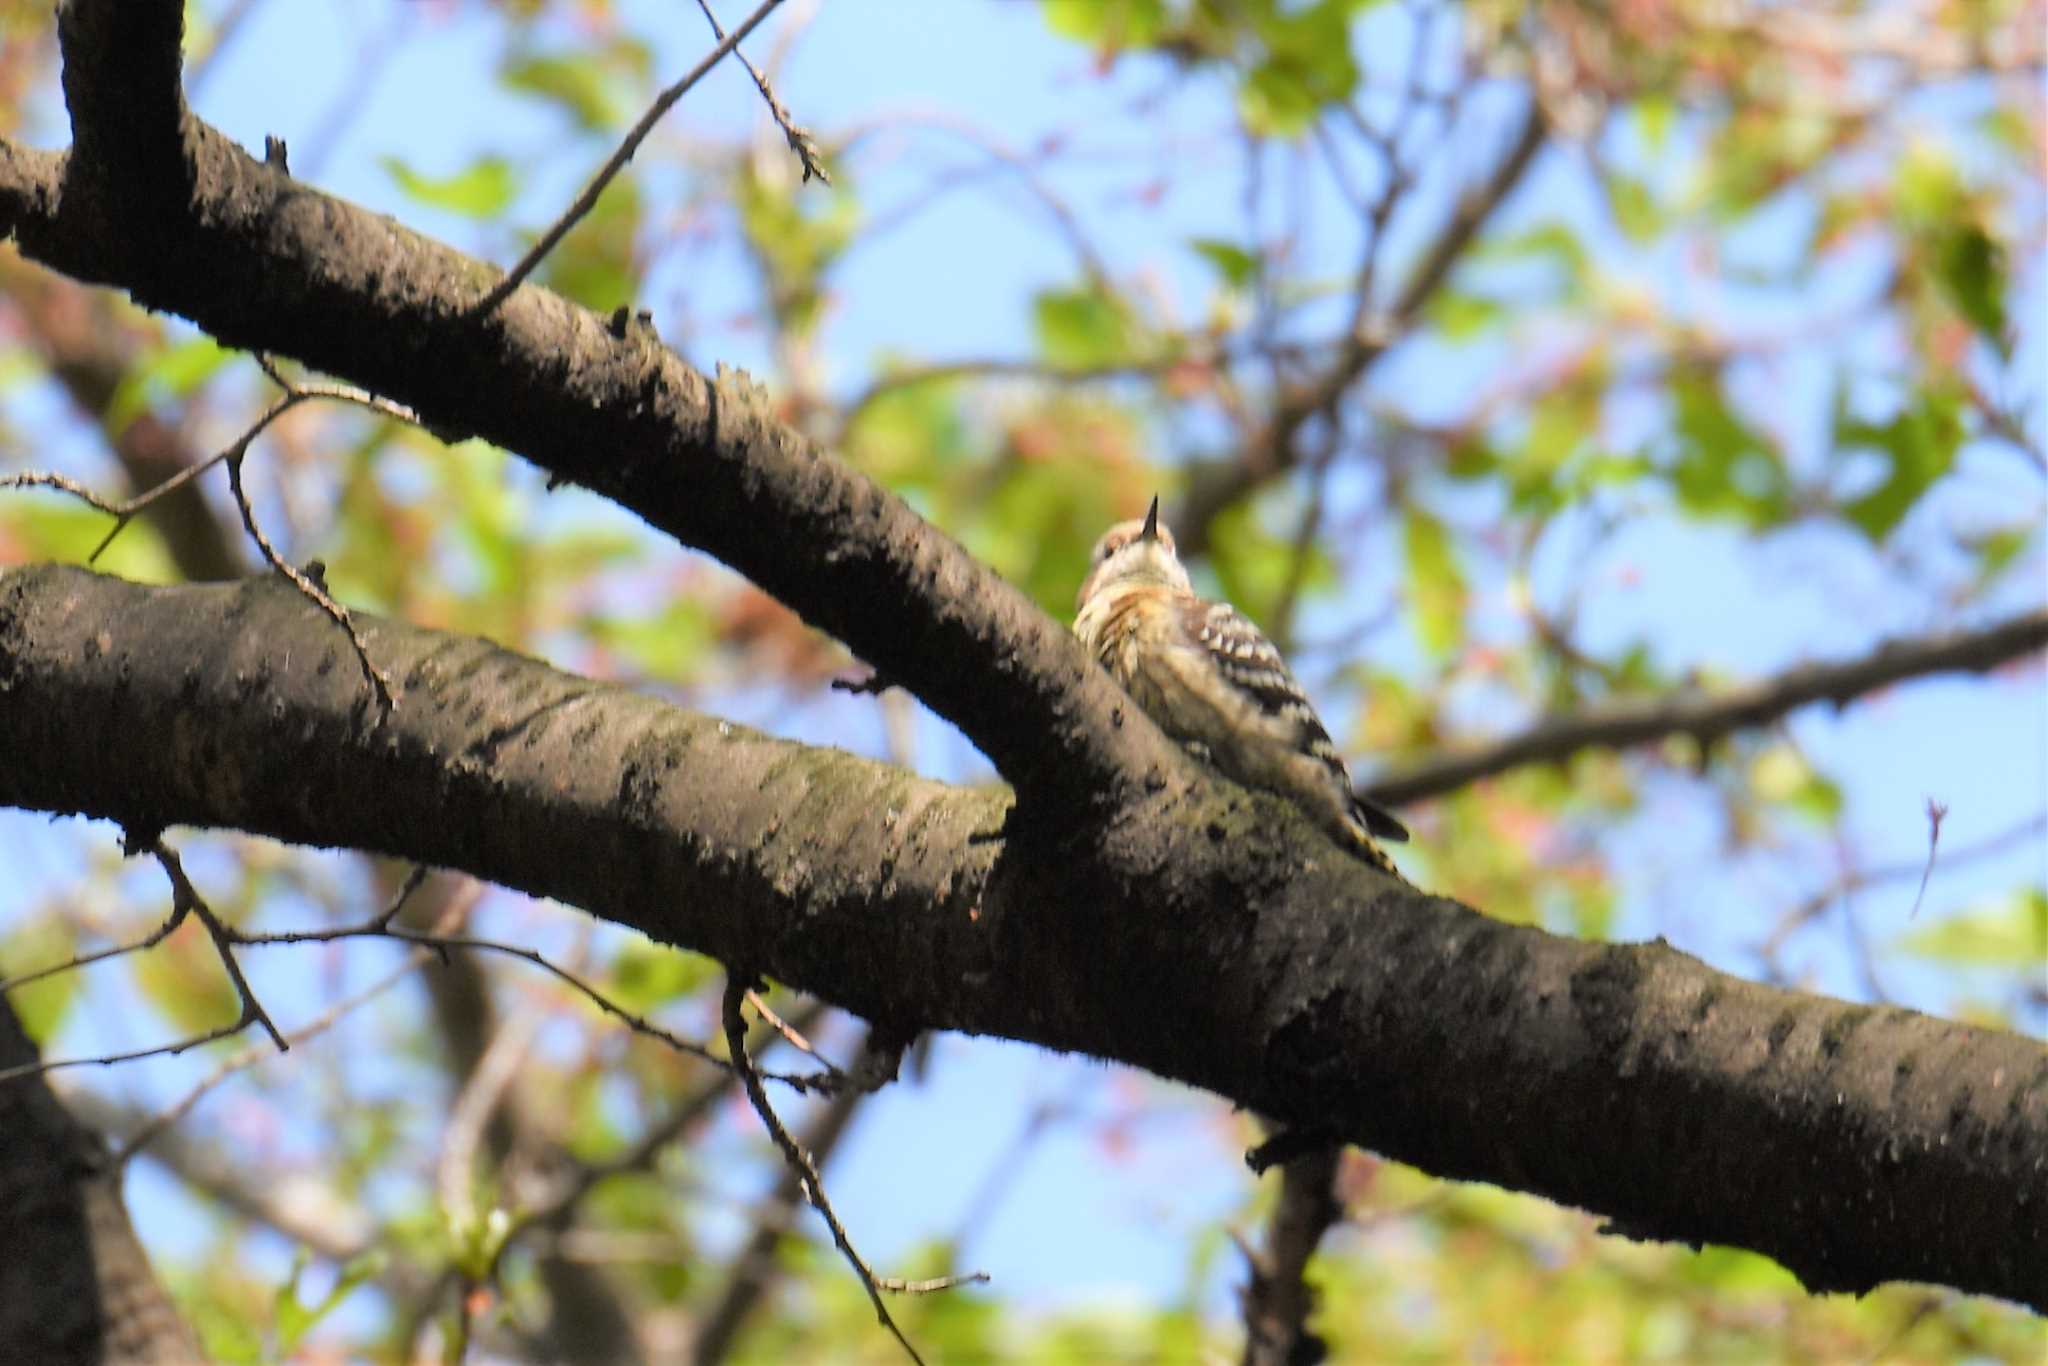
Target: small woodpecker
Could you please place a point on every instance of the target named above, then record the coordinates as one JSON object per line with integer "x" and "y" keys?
{"x": 1210, "y": 679}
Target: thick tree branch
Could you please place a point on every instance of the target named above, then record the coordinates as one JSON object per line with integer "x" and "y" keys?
{"x": 188, "y": 223}
{"x": 1708, "y": 719}
{"x": 1207, "y": 935}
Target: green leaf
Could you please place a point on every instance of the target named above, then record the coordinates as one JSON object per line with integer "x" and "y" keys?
{"x": 1928, "y": 191}
{"x": 1108, "y": 23}
{"x": 2009, "y": 931}
{"x": 293, "y": 1320}
{"x": 1252, "y": 565}
{"x": 1996, "y": 550}
{"x": 226, "y": 1336}
{"x": 2009, "y": 129}
{"x": 598, "y": 89}
{"x": 1552, "y": 242}
{"x": 797, "y": 233}
{"x": 484, "y": 189}
{"x": 1560, "y": 425}
{"x": 910, "y": 436}
{"x": 1083, "y": 328}
{"x": 182, "y": 978}
{"x": 1274, "y": 103}
{"x": 1237, "y": 266}
{"x": 32, "y": 946}
{"x": 646, "y": 975}
{"x": 54, "y": 527}
{"x": 1920, "y": 446}
{"x": 598, "y": 264}
{"x": 174, "y": 372}
{"x": 1780, "y": 774}
{"x": 1971, "y": 269}
{"x": 1655, "y": 114}
{"x": 1725, "y": 467}
{"x": 1437, "y": 590}
{"x": 1471, "y": 457}
{"x": 1635, "y": 208}
{"x": 674, "y": 645}
{"x": 1460, "y": 316}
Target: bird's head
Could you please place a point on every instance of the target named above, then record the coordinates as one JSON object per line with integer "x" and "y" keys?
{"x": 1137, "y": 551}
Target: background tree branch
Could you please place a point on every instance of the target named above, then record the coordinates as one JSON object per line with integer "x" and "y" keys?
{"x": 1706, "y": 719}
{"x": 87, "y": 1292}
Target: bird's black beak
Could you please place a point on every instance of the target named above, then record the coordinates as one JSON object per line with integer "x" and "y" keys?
{"x": 1150, "y": 531}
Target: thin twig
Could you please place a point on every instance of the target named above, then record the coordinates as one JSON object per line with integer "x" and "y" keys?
{"x": 587, "y": 200}
{"x": 1282, "y": 615}
{"x": 156, "y": 936}
{"x": 1170, "y": 360}
{"x": 109, "y": 1059}
{"x": 800, "y": 140}
{"x": 249, "y": 1057}
{"x": 380, "y": 928}
{"x": 1850, "y": 880}
{"x": 638, "y": 1156}
{"x": 380, "y": 682}
{"x": 414, "y": 880}
{"x": 455, "y": 1172}
{"x": 1936, "y": 813}
{"x": 231, "y": 455}
{"x": 798, "y": 1159}
{"x": 1707, "y": 719}
{"x": 183, "y": 892}
{"x": 1001, "y": 159}
{"x": 1366, "y": 340}
{"x": 796, "y": 1040}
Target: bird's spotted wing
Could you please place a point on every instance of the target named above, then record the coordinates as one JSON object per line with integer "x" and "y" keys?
{"x": 1253, "y": 665}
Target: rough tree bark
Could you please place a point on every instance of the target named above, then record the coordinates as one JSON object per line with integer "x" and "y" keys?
{"x": 1126, "y": 904}
{"x": 1204, "y": 933}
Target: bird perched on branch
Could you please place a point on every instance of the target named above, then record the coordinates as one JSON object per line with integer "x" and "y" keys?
{"x": 1210, "y": 679}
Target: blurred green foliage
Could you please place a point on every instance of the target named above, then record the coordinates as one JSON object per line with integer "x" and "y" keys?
{"x": 1622, "y": 346}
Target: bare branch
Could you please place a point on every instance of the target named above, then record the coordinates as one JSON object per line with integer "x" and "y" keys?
{"x": 1707, "y": 719}
{"x": 1936, "y": 812}
{"x": 800, "y": 140}
{"x": 232, "y": 455}
{"x": 380, "y": 681}
{"x": 1273, "y": 451}
{"x": 442, "y": 944}
{"x": 80, "y": 335}
{"x": 587, "y": 200}
{"x": 793, "y": 1037}
{"x": 223, "y": 939}
{"x": 109, "y": 1059}
{"x": 799, "y": 1160}
{"x": 753, "y": 1269}
{"x": 160, "y": 1123}
{"x": 179, "y": 910}
{"x": 1854, "y": 880}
